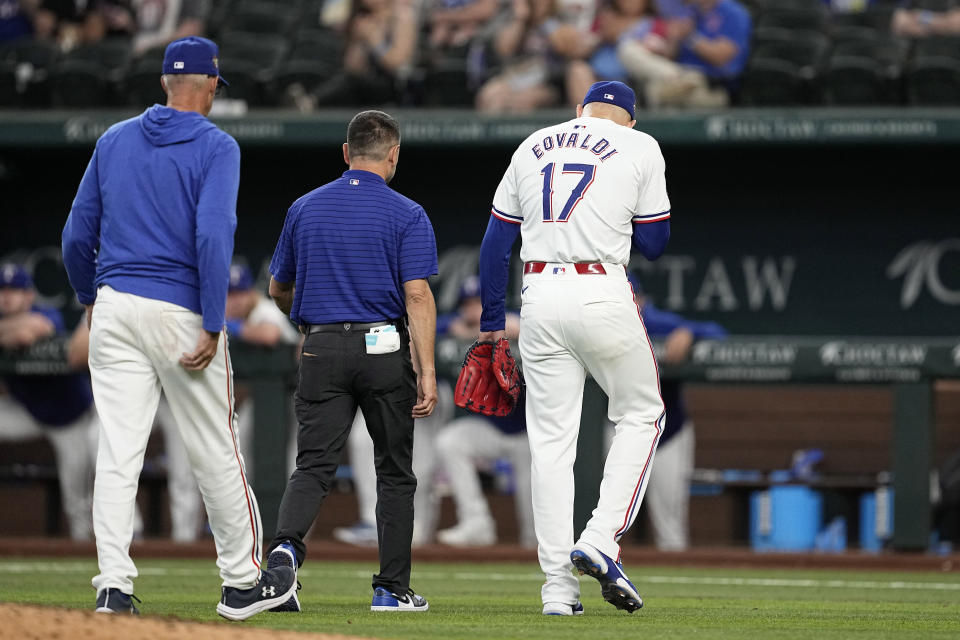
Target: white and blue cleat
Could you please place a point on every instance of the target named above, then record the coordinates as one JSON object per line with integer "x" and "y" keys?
{"x": 614, "y": 583}
{"x": 385, "y": 600}
{"x": 562, "y": 609}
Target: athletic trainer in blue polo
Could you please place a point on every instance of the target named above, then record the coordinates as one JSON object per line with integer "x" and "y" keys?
{"x": 351, "y": 269}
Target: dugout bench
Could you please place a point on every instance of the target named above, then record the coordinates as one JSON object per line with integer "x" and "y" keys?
{"x": 910, "y": 365}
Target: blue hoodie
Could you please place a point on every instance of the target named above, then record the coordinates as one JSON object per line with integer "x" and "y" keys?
{"x": 156, "y": 209}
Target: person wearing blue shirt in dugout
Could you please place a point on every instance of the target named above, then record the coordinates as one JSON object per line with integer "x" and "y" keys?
{"x": 710, "y": 44}
{"x": 147, "y": 248}
{"x": 59, "y": 408}
{"x": 668, "y": 496}
{"x": 351, "y": 269}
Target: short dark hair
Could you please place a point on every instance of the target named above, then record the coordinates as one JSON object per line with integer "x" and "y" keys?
{"x": 371, "y": 134}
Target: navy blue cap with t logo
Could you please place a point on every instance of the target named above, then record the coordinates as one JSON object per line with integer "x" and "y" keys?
{"x": 193, "y": 55}
{"x": 612, "y": 92}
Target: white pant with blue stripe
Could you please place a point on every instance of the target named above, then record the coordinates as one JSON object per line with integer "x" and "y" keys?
{"x": 135, "y": 347}
{"x": 573, "y": 324}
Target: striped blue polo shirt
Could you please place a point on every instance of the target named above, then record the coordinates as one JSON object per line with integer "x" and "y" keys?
{"x": 349, "y": 246}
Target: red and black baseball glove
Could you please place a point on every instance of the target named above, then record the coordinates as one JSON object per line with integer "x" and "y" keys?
{"x": 490, "y": 380}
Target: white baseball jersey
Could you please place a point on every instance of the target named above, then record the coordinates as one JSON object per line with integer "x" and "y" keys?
{"x": 578, "y": 187}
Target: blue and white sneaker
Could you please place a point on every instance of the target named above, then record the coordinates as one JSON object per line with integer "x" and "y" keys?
{"x": 384, "y": 600}
{"x": 116, "y": 601}
{"x": 614, "y": 583}
{"x": 562, "y": 609}
{"x": 285, "y": 556}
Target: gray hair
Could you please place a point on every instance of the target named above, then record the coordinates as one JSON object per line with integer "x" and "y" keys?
{"x": 179, "y": 82}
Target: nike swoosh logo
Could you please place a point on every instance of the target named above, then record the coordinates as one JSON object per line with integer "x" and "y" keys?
{"x": 524, "y": 289}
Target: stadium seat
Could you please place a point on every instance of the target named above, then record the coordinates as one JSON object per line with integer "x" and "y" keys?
{"x": 446, "y": 84}
{"x": 804, "y": 48}
{"x": 324, "y": 46}
{"x": 141, "y": 83}
{"x": 867, "y": 43}
{"x": 933, "y": 81}
{"x": 265, "y": 50}
{"x": 249, "y": 62}
{"x": 261, "y": 17}
{"x": 36, "y": 58}
{"x": 772, "y": 82}
{"x": 79, "y": 83}
{"x": 308, "y": 74}
{"x": 813, "y": 18}
{"x": 112, "y": 53}
{"x": 9, "y": 96}
{"x": 937, "y": 47}
{"x": 855, "y": 80}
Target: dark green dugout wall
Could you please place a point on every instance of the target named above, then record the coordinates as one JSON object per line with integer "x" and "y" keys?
{"x": 777, "y": 239}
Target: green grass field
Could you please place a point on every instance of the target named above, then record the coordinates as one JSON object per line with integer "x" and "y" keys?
{"x": 497, "y": 601}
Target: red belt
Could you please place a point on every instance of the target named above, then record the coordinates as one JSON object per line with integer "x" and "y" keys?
{"x": 584, "y": 268}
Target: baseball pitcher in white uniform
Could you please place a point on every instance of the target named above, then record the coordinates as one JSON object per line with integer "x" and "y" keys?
{"x": 580, "y": 193}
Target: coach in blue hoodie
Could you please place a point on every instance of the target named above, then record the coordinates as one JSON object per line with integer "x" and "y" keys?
{"x": 147, "y": 248}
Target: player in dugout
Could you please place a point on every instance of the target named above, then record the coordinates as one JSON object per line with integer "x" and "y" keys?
{"x": 58, "y": 408}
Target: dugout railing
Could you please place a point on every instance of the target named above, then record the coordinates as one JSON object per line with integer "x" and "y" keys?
{"x": 909, "y": 365}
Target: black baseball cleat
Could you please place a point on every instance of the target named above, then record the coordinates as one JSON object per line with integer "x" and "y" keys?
{"x": 116, "y": 601}
{"x": 275, "y": 587}
{"x": 284, "y": 556}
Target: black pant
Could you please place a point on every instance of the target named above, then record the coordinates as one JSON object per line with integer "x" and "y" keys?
{"x": 336, "y": 376}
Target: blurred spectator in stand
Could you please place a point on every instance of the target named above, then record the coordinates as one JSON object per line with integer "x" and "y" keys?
{"x": 72, "y": 23}
{"x": 710, "y": 47}
{"x": 454, "y": 23}
{"x": 668, "y": 496}
{"x": 839, "y": 7}
{"x": 109, "y": 18}
{"x": 17, "y": 19}
{"x": 381, "y": 45}
{"x": 254, "y": 318}
{"x": 922, "y": 23}
{"x": 56, "y": 407}
{"x": 537, "y": 44}
{"x": 159, "y": 22}
{"x": 619, "y": 20}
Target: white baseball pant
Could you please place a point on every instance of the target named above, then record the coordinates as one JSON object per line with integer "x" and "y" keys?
{"x": 573, "y": 324}
{"x": 72, "y": 448}
{"x": 473, "y": 438}
{"x": 135, "y": 346}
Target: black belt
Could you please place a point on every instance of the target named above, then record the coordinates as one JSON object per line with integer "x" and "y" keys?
{"x": 345, "y": 327}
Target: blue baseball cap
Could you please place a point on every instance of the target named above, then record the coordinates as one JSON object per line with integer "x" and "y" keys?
{"x": 13, "y": 276}
{"x": 193, "y": 55}
{"x": 612, "y": 92}
{"x": 470, "y": 288}
{"x": 241, "y": 278}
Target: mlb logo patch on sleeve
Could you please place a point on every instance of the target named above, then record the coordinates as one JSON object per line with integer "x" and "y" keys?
{"x": 354, "y": 182}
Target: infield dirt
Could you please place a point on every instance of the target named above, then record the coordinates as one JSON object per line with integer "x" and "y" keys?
{"x": 29, "y": 622}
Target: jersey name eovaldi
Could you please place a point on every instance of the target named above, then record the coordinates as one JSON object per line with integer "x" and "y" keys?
{"x": 577, "y": 189}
